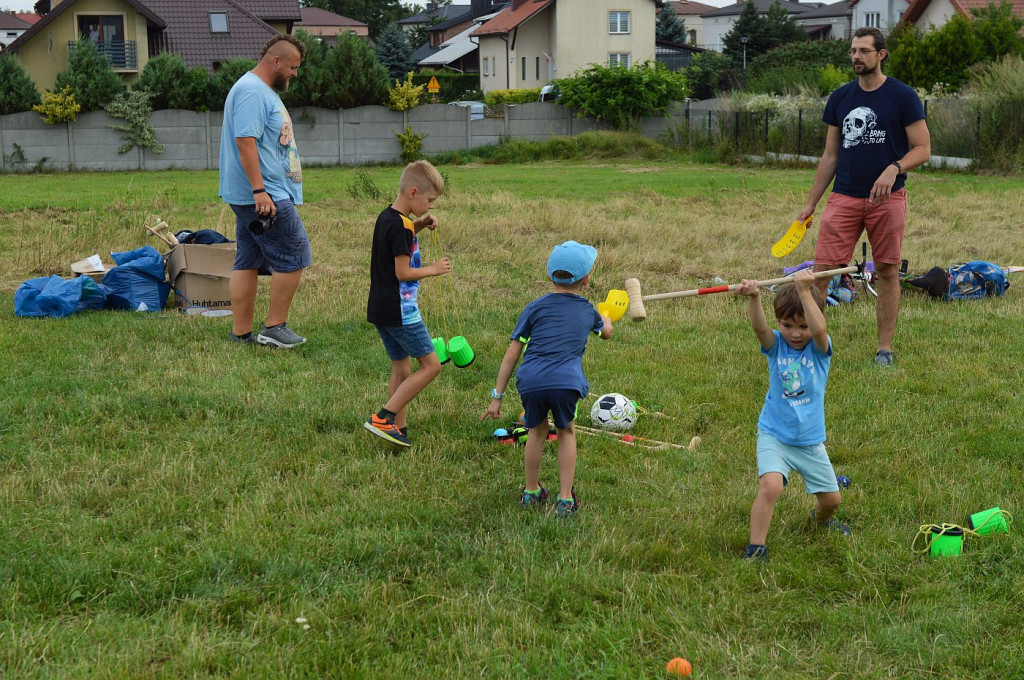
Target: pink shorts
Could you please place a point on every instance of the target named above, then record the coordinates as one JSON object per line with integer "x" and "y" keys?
{"x": 846, "y": 218}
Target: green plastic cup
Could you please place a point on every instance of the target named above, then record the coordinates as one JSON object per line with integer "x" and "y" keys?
{"x": 991, "y": 521}
{"x": 460, "y": 351}
{"x": 441, "y": 350}
{"x": 946, "y": 541}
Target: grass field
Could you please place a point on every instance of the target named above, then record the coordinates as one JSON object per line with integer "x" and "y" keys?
{"x": 170, "y": 504}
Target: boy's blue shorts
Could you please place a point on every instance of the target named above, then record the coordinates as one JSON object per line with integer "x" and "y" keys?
{"x": 810, "y": 461}
{"x": 284, "y": 246}
{"x": 561, "y": 404}
{"x": 402, "y": 342}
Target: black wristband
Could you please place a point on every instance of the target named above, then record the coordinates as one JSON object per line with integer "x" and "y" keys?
{"x": 259, "y": 191}
{"x": 899, "y": 168}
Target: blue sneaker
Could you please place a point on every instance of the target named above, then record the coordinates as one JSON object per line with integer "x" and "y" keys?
{"x": 567, "y": 506}
{"x": 755, "y": 553}
{"x": 835, "y": 525}
{"x": 843, "y": 481}
{"x": 530, "y": 499}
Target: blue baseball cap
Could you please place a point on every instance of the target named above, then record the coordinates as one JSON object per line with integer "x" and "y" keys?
{"x": 575, "y": 258}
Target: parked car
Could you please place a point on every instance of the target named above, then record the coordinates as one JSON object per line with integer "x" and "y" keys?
{"x": 476, "y": 109}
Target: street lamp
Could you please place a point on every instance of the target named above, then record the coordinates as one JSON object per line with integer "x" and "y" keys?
{"x": 744, "y": 41}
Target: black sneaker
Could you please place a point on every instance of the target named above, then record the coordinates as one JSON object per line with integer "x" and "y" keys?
{"x": 756, "y": 553}
{"x": 247, "y": 339}
{"x": 279, "y": 336}
{"x": 385, "y": 428}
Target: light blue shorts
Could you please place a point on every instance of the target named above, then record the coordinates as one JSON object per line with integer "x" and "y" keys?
{"x": 810, "y": 461}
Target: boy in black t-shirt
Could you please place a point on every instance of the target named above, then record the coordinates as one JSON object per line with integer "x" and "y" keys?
{"x": 395, "y": 273}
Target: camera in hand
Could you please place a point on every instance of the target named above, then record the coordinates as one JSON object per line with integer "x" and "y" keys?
{"x": 260, "y": 225}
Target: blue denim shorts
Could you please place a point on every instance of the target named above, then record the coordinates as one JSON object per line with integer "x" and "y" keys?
{"x": 401, "y": 342}
{"x": 810, "y": 461}
{"x": 284, "y": 246}
{"x": 561, "y": 404}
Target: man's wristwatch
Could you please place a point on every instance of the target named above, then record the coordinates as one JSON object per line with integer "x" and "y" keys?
{"x": 495, "y": 394}
{"x": 899, "y": 168}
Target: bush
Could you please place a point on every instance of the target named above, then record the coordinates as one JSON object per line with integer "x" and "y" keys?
{"x": 17, "y": 91}
{"x": 355, "y": 77}
{"x": 622, "y": 96}
{"x": 520, "y": 96}
{"x": 90, "y": 77}
{"x": 947, "y": 54}
{"x": 454, "y": 86}
{"x": 997, "y": 91}
{"x": 135, "y": 109}
{"x": 308, "y": 88}
{"x": 707, "y": 75}
{"x": 224, "y": 79}
{"x": 404, "y": 95}
{"x": 59, "y": 107}
{"x": 831, "y": 78}
{"x": 172, "y": 85}
{"x": 412, "y": 144}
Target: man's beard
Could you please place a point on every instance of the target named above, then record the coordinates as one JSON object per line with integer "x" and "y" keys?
{"x": 281, "y": 83}
{"x": 864, "y": 70}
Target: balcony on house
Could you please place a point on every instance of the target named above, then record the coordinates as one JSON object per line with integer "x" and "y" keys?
{"x": 121, "y": 54}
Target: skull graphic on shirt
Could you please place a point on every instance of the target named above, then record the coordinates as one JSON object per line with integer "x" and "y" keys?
{"x": 856, "y": 125}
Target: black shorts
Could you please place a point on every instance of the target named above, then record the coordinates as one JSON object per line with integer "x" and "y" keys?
{"x": 560, "y": 403}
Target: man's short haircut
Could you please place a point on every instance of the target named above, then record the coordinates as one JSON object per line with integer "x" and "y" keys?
{"x": 788, "y": 304}
{"x": 290, "y": 39}
{"x": 875, "y": 34}
{"x": 423, "y": 176}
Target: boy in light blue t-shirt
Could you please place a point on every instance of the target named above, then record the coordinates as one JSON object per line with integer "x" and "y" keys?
{"x": 554, "y": 330}
{"x": 791, "y": 428}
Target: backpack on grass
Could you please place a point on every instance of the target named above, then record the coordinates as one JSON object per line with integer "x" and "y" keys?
{"x": 976, "y": 279}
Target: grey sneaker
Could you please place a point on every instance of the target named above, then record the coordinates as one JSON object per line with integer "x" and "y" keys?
{"x": 884, "y": 357}
{"x": 835, "y": 525}
{"x": 248, "y": 339}
{"x": 279, "y": 336}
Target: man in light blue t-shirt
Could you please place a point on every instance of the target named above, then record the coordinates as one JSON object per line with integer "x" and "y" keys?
{"x": 261, "y": 178}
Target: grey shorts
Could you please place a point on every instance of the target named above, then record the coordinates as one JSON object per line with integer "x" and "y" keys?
{"x": 811, "y": 462}
{"x": 284, "y": 246}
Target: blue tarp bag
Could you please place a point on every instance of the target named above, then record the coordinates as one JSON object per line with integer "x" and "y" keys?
{"x": 138, "y": 281}
{"x": 56, "y": 297}
{"x": 976, "y": 279}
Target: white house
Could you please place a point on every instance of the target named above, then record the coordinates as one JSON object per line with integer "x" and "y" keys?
{"x": 10, "y": 28}
{"x": 880, "y": 14}
{"x": 934, "y": 13}
{"x": 531, "y": 42}
{"x": 690, "y": 13}
{"x": 718, "y": 22}
{"x": 828, "y": 21}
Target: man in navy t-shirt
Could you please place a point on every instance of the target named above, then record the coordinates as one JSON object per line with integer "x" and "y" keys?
{"x": 876, "y": 134}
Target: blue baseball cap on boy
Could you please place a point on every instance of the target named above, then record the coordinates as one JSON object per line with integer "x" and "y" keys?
{"x": 575, "y": 258}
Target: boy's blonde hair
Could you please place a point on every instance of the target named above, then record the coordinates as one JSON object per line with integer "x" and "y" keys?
{"x": 788, "y": 304}
{"x": 423, "y": 176}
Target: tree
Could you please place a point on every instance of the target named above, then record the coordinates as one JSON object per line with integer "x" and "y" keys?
{"x": 752, "y": 26}
{"x": 173, "y": 85}
{"x": 354, "y": 76}
{"x": 308, "y": 88}
{"x": 781, "y": 27}
{"x": 670, "y": 27}
{"x": 225, "y": 78}
{"x": 377, "y": 14}
{"x": 17, "y": 91}
{"x": 90, "y": 77}
{"x": 394, "y": 53}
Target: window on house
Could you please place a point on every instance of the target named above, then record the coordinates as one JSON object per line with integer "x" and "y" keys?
{"x": 218, "y": 22}
{"x": 691, "y": 37}
{"x": 618, "y": 59}
{"x": 872, "y": 19}
{"x": 487, "y": 66}
{"x": 100, "y": 28}
{"x": 618, "y": 22}
{"x": 538, "y": 68}
{"x": 524, "y": 68}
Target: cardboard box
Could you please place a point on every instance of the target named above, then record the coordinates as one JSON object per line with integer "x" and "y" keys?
{"x": 201, "y": 274}
{"x": 93, "y": 267}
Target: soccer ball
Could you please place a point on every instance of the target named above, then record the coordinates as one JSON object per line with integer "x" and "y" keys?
{"x": 613, "y": 412}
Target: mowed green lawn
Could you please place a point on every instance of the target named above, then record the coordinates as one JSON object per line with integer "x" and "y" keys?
{"x": 171, "y": 504}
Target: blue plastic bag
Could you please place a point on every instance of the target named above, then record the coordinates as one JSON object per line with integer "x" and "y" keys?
{"x": 56, "y": 297}
{"x": 138, "y": 281}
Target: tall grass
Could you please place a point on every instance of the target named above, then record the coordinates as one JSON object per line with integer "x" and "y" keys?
{"x": 174, "y": 506}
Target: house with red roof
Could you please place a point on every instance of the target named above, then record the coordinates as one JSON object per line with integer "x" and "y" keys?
{"x": 328, "y": 26}
{"x": 11, "y": 26}
{"x": 204, "y": 33}
{"x": 531, "y": 42}
{"x": 934, "y": 13}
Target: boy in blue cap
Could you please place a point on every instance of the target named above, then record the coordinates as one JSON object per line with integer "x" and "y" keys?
{"x": 553, "y": 330}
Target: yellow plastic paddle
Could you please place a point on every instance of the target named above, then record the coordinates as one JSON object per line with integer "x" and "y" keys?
{"x": 615, "y": 305}
{"x": 792, "y": 238}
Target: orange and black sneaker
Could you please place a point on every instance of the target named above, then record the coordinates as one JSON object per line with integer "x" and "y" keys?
{"x": 385, "y": 428}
